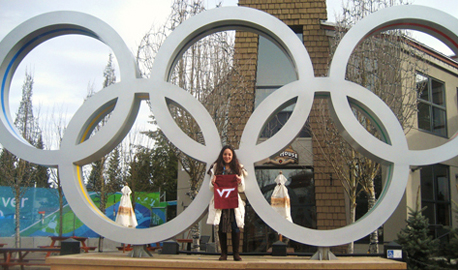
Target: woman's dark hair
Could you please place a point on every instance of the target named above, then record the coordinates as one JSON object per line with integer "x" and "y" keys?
{"x": 234, "y": 164}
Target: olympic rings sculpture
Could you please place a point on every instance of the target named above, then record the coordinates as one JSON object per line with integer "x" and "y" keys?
{"x": 123, "y": 101}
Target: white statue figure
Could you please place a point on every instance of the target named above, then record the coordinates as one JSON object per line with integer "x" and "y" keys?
{"x": 280, "y": 198}
{"x": 126, "y": 215}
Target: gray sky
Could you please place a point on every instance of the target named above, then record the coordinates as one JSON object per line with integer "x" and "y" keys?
{"x": 64, "y": 67}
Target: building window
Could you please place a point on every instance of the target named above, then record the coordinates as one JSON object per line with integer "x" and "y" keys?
{"x": 431, "y": 105}
{"x": 274, "y": 70}
{"x": 280, "y": 119}
{"x": 258, "y": 236}
{"x": 301, "y": 190}
{"x": 435, "y": 195}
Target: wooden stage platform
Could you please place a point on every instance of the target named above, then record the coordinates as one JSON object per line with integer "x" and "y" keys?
{"x": 121, "y": 261}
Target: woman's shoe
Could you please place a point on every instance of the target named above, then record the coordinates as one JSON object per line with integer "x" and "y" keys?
{"x": 223, "y": 244}
{"x": 236, "y": 245}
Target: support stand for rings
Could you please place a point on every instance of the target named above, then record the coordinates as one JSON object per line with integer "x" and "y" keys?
{"x": 324, "y": 253}
{"x": 139, "y": 251}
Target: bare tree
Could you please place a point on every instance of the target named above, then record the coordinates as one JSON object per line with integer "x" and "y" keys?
{"x": 383, "y": 64}
{"x": 207, "y": 71}
{"x": 17, "y": 173}
{"x": 54, "y": 129}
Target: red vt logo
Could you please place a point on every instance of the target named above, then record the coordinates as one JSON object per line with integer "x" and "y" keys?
{"x": 222, "y": 191}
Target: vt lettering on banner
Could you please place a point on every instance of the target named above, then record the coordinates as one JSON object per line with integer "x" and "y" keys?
{"x": 225, "y": 191}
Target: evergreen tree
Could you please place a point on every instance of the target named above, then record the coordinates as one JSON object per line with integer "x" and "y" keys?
{"x": 25, "y": 121}
{"x": 165, "y": 167}
{"x": 114, "y": 173}
{"x": 109, "y": 73}
{"x": 41, "y": 178}
{"x": 93, "y": 181}
{"x": 141, "y": 171}
{"x": 416, "y": 241}
{"x": 7, "y": 161}
{"x": 449, "y": 250}
{"x": 155, "y": 170}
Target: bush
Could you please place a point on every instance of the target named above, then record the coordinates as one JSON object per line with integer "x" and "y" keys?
{"x": 415, "y": 241}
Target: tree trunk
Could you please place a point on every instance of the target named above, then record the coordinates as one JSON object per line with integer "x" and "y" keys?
{"x": 351, "y": 245}
{"x": 17, "y": 207}
{"x": 373, "y": 244}
{"x": 61, "y": 210}
{"x": 195, "y": 230}
{"x": 102, "y": 208}
{"x": 195, "y": 234}
{"x": 100, "y": 247}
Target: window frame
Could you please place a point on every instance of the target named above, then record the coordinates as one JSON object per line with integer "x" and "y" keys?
{"x": 436, "y": 202}
{"x": 432, "y": 106}
{"x": 264, "y": 89}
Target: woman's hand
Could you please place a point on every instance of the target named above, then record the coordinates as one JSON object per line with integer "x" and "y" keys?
{"x": 239, "y": 179}
{"x": 213, "y": 179}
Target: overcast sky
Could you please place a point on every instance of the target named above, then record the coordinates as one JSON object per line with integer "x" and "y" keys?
{"x": 64, "y": 67}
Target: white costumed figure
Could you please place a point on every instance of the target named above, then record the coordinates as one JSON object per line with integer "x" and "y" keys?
{"x": 280, "y": 198}
{"x": 126, "y": 215}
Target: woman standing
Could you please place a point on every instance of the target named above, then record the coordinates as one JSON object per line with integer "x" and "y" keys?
{"x": 228, "y": 220}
